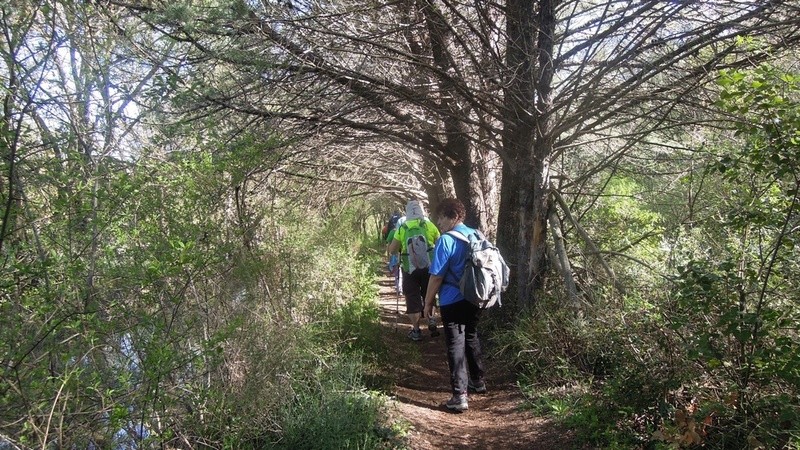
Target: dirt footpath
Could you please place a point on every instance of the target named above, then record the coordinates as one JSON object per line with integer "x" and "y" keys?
{"x": 494, "y": 420}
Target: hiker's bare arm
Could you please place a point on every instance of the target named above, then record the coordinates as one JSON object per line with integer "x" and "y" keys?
{"x": 394, "y": 247}
{"x": 430, "y": 295}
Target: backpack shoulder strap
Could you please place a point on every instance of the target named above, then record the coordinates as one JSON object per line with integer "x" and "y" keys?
{"x": 458, "y": 235}
{"x": 420, "y": 224}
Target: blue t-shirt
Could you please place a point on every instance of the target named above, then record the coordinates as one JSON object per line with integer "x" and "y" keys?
{"x": 449, "y": 260}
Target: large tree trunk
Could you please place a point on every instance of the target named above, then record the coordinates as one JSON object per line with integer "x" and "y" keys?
{"x": 533, "y": 194}
{"x": 518, "y": 140}
{"x": 528, "y": 142}
{"x": 474, "y": 186}
{"x": 437, "y": 183}
{"x": 465, "y": 191}
{"x": 543, "y": 148}
{"x": 508, "y": 226}
{"x": 534, "y": 210}
{"x": 485, "y": 189}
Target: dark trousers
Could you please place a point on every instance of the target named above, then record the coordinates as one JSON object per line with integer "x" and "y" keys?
{"x": 460, "y": 321}
{"x": 415, "y": 284}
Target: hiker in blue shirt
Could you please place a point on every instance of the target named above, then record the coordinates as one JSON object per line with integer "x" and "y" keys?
{"x": 459, "y": 317}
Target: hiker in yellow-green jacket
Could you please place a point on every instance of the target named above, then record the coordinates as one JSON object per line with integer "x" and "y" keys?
{"x": 414, "y": 240}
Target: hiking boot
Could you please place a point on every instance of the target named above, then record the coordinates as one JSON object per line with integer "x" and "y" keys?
{"x": 477, "y": 386}
{"x": 458, "y": 402}
{"x": 415, "y": 335}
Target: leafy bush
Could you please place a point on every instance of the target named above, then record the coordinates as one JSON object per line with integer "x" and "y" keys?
{"x": 304, "y": 385}
{"x": 710, "y": 358}
{"x": 197, "y": 325}
{"x": 330, "y": 410}
{"x": 609, "y": 378}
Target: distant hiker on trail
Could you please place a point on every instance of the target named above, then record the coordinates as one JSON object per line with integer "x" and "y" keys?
{"x": 391, "y": 226}
{"x": 414, "y": 239}
{"x": 393, "y": 265}
{"x": 459, "y": 317}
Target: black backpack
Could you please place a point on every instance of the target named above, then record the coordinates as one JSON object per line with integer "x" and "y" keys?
{"x": 392, "y": 222}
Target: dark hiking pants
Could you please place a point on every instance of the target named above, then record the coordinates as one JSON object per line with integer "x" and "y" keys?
{"x": 460, "y": 321}
{"x": 415, "y": 284}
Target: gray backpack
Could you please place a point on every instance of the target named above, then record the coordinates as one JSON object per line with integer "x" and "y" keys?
{"x": 417, "y": 249}
{"x": 485, "y": 274}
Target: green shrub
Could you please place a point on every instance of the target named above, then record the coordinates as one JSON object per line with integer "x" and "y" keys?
{"x": 583, "y": 371}
{"x": 331, "y": 410}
